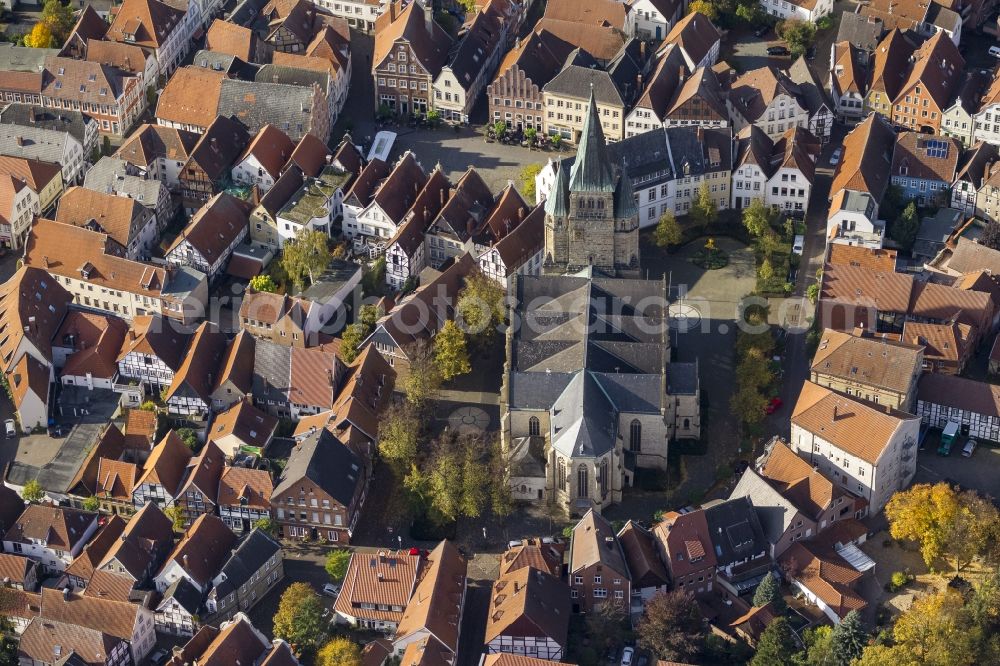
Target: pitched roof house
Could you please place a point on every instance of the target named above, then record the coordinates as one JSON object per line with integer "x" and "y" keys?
{"x": 434, "y": 611}
{"x": 529, "y": 615}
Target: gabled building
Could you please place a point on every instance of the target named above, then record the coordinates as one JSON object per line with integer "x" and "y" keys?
{"x": 152, "y": 352}
{"x": 649, "y": 575}
{"x": 52, "y": 536}
{"x": 377, "y": 588}
{"x": 42, "y": 178}
{"x": 164, "y": 29}
{"x": 519, "y": 252}
{"x": 767, "y": 98}
{"x": 528, "y": 615}
{"x": 930, "y": 86}
{"x": 927, "y": 19}
{"x": 472, "y": 60}
{"x": 198, "y": 556}
{"x": 207, "y": 169}
{"x": 199, "y": 493}
{"x": 742, "y": 553}
{"x": 598, "y": 571}
{"x": 244, "y": 497}
{"x": 19, "y": 205}
{"x": 947, "y": 347}
{"x": 264, "y": 159}
{"x": 825, "y": 578}
{"x": 410, "y": 51}
{"x": 85, "y": 349}
{"x": 874, "y": 368}
{"x": 958, "y": 119}
{"x": 159, "y": 152}
{"x": 824, "y": 427}
{"x": 405, "y": 253}
{"x": 242, "y": 427}
{"x": 45, "y": 145}
{"x": 80, "y": 126}
{"x": 793, "y": 501}
{"x": 255, "y": 566}
{"x": 434, "y": 611}
{"x": 654, "y": 18}
{"x": 321, "y": 491}
{"x": 802, "y": 10}
{"x": 974, "y": 169}
{"x": 859, "y": 183}
{"x": 163, "y": 473}
{"x": 112, "y": 175}
{"x": 849, "y": 80}
{"x": 138, "y": 551}
{"x": 237, "y": 640}
{"x": 450, "y": 234}
{"x": 123, "y": 219}
{"x": 209, "y": 239}
{"x": 190, "y": 390}
{"x": 373, "y": 211}
{"x": 83, "y": 566}
{"x": 698, "y": 40}
{"x": 515, "y": 95}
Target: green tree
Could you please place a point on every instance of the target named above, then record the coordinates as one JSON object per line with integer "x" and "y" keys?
{"x": 148, "y": 406}
{"x": 704, "y": 7}
{"x": 501, "y": 499}
{"x": 451, "y": 354}
{"x": 750, "y": 13}
{"x": 423, "y": 380}
{"x": 848, "y": 639}
{"x": 769, "y": 592}
{"x": 266, "y": 525}
{"x": 799, "y": 35}
{"x": 352, "y": 337}
{"x": 299, "y": 619}
{"x": 190, "y": 438}
{"x": 607, "y": 626}
{"x": 528, "y": 174}
{"x": 671, "y": 626}
{"x": 668, "y": 231}
{"x": 33, "y": 492}
{"x": 757, "y": 218}
{"x": 373, "y": 279}
{"x": 703, "y": 210}
{"x": 336, "y": 564}
{"x": 556, "y": 141}
{"x": 176, "y": 515}
{"x": 812, "y": 292}
{"x": 59, "y": 19}
{"x": 531, "y": 134}
{"x": 434, "y": 117}
{"x": 818, "y": 648}
{"x": 305, "y": 256}
{"x": 482, "y": 307}
{"x": 368, "y": 316}
{"x": 904, "y": 229}
{"x": 766, "y": 271}
{"x": 444, "y": 486}
{"x": 339, "y": 651}
{"x": 91, "y": 503}
{"x": 263, "y": 282}
{"x": 397, "y": 438}
{"x": 500, "y": 129}
{"x": 777, "y": 645}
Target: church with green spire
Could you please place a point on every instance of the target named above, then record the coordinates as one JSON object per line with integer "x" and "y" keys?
{"x": 591, "y": 217}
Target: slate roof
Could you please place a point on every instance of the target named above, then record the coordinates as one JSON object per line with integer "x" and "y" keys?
{"x": 735, "y": 530}
{"x": 111, "y": 174}
{"x": 60, "y": 120}
{"x": 47, "y": 145}
{"x": 861, "y": 31}
{"x": 774, "y": 511}
{"x": 327, "y": 462}
{"x": 203, "y": 549}
{"x": 246, "y": 560}
{"x": 184, "y": 593}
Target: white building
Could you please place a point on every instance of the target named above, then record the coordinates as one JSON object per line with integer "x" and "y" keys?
{"x": 974, "y": 406}
{"x": 767, "y": 98}
{"x": 374, "y": 218}
{"x": 803, "y": 10}
{"x": 360, "y": 14}
{"x": 264, "y": 158}
{"x": 52, "y": 536}
{"x": 987, "y": 118}
{"x": 652, "y": 19}
{"x": 24, "y": 205}
{"x": 867, "y": 450}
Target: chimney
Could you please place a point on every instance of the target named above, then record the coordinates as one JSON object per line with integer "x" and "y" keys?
{"x": 642, "y": 51}
{"x": 66, "y": 593}
{"x": 444, "y": 196}
{"x": 836, "y": 412}
{"x": 520, "y": 213}
{"x": 429, "y": 17}
{"x": 20, "y": 140}
{"x": 185, "y": 558}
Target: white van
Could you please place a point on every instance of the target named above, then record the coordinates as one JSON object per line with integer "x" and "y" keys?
{"x": 995, "y": 51}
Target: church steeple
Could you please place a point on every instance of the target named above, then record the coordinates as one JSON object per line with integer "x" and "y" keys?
{"x": 591, "y": 171}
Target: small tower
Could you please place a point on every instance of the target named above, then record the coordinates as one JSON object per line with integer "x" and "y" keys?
{"x": 591, "y": 217}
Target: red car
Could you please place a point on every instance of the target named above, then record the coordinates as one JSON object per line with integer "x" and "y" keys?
{"x": 773, "y": 406}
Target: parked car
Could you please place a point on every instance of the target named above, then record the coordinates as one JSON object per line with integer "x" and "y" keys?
{"x": 331, "y": 590}
{"x": 159, "y": 657}
{"x": 811, "y": 53}
{"x": 760, "y": 32}
{"x": 778, "y": 51}
{"x": 835, "y": 158}
{"x": 627, "y": 656}
{"x": 995, "y": 51}
{"x": 773, "y": 406}
{"x": 798, "y": 244}
{"x": 10, "y": 428}
{"x": 969, "y": 449}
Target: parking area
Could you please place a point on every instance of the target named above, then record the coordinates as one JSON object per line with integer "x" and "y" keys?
{"x": 981, "y": 471}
